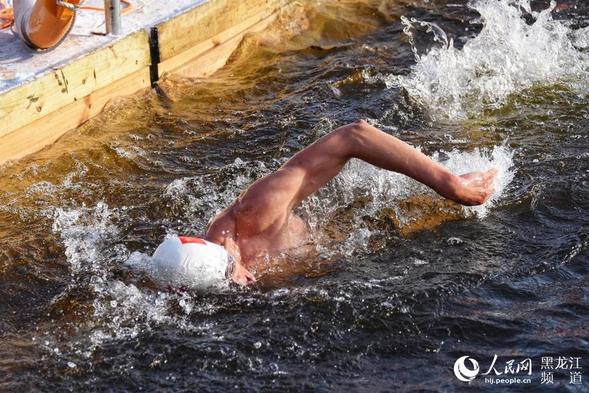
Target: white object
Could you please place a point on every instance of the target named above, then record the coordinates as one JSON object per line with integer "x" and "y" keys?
{"x": 192, "y": 262}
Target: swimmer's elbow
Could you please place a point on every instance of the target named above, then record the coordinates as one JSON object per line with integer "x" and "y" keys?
{"x": 354, "y": 134}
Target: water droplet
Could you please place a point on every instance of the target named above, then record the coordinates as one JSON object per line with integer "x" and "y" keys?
{"x": 454, "y": 241}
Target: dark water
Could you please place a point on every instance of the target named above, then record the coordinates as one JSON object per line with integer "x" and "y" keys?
{"x": 394, "y": 311}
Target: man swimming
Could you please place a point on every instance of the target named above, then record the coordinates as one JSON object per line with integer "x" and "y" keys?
{"x": 261, "y": 220}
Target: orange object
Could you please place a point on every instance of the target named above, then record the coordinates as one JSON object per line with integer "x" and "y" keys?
{"x": 47, "y": 24}
{"x": 43, "y": 24}
{"x": 189, "y": 239}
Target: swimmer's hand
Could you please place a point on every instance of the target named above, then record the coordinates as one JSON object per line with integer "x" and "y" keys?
{"x": 242, "y": 276}
{"x": 475, "y": 188}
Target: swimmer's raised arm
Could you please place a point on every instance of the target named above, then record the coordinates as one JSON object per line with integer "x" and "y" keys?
{"x": 261, "y": 218}
{"x": 314, "y": 166}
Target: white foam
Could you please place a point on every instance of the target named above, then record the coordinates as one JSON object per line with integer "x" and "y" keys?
{"x": 581, "y": 38}
{"x": 83, "y": 231}
{"x": 507, "y": 56}
{"x": 89, "y": 236}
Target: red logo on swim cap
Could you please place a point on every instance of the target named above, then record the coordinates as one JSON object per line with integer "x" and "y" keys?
{"x": 188, "y": 239}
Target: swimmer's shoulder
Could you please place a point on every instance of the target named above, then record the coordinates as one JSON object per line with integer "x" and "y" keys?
{"x": 221, "y": 226}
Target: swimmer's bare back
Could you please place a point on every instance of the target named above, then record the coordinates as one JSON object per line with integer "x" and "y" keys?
{"x": 261, "y": 219}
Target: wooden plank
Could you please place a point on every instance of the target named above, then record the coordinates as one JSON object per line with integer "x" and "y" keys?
{"x": 212, "y": 54}
{"x": 73, "y": 82}
{"x": 208, "y": 20}
{"x": 45, "y": 131}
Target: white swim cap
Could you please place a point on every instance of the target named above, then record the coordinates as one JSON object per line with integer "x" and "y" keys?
{"x": 193, "y": 262}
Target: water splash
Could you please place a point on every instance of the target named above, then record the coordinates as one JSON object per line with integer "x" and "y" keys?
{"x": 581, "y": 39}
{"x": 507, "y": 56}
{"x": 91, "y": 236}
{"x": 118, "y": 309}
{"x": 413, "y": 27}
{"x": 83, "y": 241}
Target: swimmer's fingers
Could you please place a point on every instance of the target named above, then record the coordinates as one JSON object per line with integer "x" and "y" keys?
{"x": 490, "y": 176}
{"x": 249, "y": 277}
{"x": 480, "y": 178}
{"x": 476, "y": 188}
{"x": 242, "y": 276}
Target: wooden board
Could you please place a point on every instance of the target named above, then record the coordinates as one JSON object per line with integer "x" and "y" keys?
{"x": 212, "y": 54}
{"x": 47, "y": 130}
{"x": 71, "y": 83}
{"x": 208, "y": 20}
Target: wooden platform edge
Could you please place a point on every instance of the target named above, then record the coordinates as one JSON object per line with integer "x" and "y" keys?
{"x": 203, "y": 23}
{"x": 72, "y": 82}
{"x": 45, "y": 131}
{"x": 38, "y": 113}
{"x": 212, "y": 54}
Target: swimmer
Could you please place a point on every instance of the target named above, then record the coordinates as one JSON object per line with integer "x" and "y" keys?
{"x": 261, "y": 220}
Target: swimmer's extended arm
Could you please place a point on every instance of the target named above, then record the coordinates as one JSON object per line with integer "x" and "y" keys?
{"x": 264, "y": 202}
{"x": 325, "y": 158}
